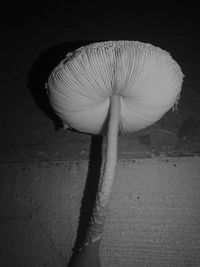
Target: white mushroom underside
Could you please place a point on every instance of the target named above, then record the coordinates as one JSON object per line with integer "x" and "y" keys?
{"x": 147, "y": 79}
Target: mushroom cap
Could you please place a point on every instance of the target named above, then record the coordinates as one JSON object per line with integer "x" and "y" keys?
{"x": 145, "y": 77}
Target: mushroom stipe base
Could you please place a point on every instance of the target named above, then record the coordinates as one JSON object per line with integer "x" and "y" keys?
{"x": 88, "y": 256}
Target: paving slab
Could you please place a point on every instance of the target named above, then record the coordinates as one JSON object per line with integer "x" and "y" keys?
{"x": 153, "y": 218}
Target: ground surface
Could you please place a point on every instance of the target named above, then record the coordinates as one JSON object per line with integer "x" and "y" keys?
{"x": 154, "y": 219}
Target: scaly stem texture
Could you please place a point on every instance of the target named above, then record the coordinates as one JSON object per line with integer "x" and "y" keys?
{"x": 105, "y": 186}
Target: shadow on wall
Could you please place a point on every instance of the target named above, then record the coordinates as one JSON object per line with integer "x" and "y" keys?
{"x": 89, "y": 194}
{"x": 40, "y": 72}
{"x": 37, "y": 78}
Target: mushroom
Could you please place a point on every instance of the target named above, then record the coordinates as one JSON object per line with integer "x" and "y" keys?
{"x": 130, "y": 83}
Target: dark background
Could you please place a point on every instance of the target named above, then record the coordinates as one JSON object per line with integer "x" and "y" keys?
{"x": 36, "y": 36}
{"x": 30, "y": 29}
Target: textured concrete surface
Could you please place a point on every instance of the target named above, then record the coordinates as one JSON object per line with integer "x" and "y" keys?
{"x": 154, "y": 215}
{"x": 153, "y": 219}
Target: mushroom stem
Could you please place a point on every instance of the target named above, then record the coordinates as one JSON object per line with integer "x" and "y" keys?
{"x": 105, "y": 186}
{"x": 89, "y": 254}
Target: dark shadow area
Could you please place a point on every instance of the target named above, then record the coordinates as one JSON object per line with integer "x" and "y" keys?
{"x": 188, "y": 130}
{"x": 90, "y": 191}
{"x": 40, "y": 72}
